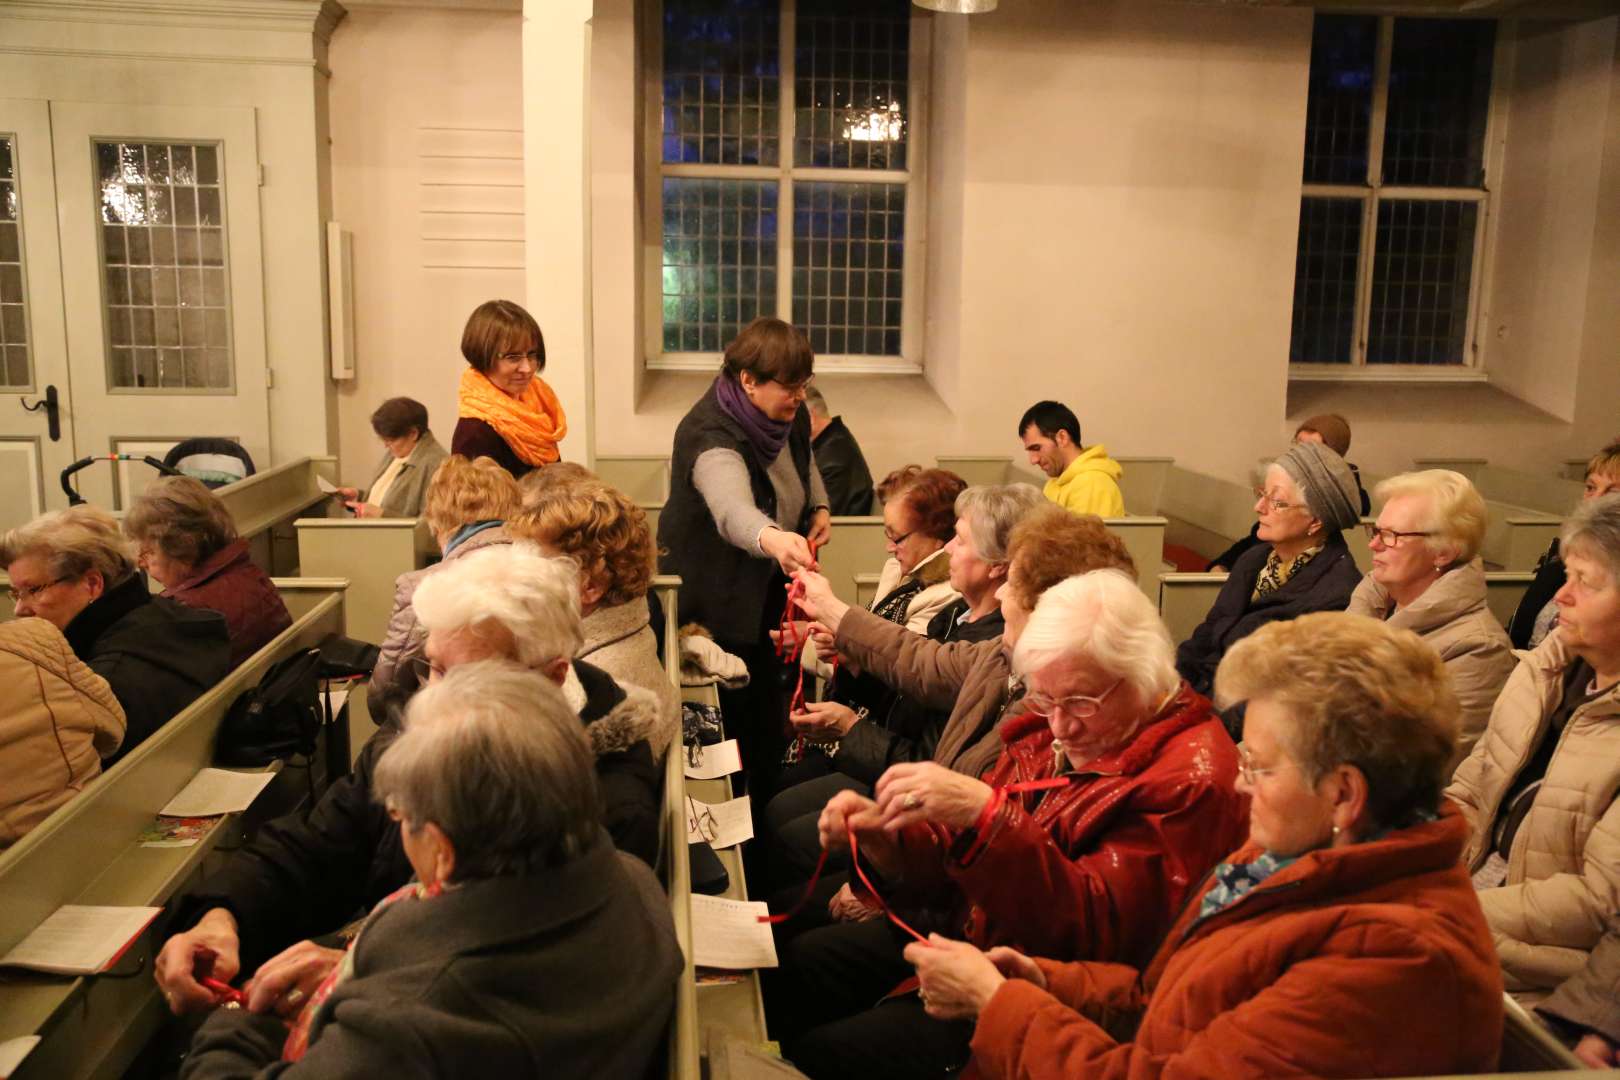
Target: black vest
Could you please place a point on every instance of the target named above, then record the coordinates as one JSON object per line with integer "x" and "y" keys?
{"x": 723, "y": 587}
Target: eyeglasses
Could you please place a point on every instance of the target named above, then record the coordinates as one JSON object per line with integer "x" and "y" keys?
{"x": 898, "y": 540}
{"x": 515, "y": 359}
{"x": 1389, "y": 537}
{"x": 19, "y": 593}
{"x": 426, "y": 670}
{"x": 702, "y": 821}
{"x": 798, "y": 388}
{"x": 1078, "y": 706}
{"x": 1262, "y": 495}
{"x": 1246, "y": 767}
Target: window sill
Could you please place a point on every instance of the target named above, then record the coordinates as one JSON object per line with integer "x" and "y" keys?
{"x": 709, "y": 363}
{"x": 1384, "y": 373}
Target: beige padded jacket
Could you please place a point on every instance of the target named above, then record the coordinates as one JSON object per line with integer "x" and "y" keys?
{"x": 58, "y": 719}
{"x": 1563, "y": 878}
{"x": 1452, "y": 618}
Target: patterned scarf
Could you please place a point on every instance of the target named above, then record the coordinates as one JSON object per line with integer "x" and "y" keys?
{"x": 297, "y": 1043}
{"x": 531, "y": 425}
{"x": 1275, "y": 574}
{"x": 1234, "y": 881}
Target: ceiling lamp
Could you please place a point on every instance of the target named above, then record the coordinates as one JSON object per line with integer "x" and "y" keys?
{"x": 958, "y": 7}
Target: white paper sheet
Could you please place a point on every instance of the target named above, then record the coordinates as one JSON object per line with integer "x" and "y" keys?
{"x": 721, "y": 759}
{"x": 340, "y": 698}
{"x": 728, "y": 934}
{"x": 12, "y": 1052}
{"x": 325, "y": 485}
{"x": 723, "y": 825}
{"x": 217, "y": 791}
{"x": 78, "y": 940}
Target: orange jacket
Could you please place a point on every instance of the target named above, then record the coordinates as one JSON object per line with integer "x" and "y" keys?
{"x": 1368, "y": 960}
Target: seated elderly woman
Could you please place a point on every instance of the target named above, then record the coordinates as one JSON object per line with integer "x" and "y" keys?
{"x": 535, "y": 487}
{"x": 919, "y": 519}
{"x": 1539, "y": 789}
{"x": 606, "y": 536}
{"x": 305, "y": 875}
{"x": 1096, "y": 865}
{"x": 1536, "y": 614}
{"x": 861, "y": 746}
{"x": 468, "y": 504}
{"x": 1310, "y": 497}
{"x": 1427, "y": 577}
{"x": 412, "y": 455}
{"x": 1342, "y": 940}
{"x": 57, "y": 720}
{"x": 525, "y": 946}
{"x": 187, "y": 543}
{"x": 70, "y": 568}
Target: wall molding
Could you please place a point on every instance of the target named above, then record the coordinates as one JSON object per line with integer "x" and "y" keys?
{"x": 315, "y": 18}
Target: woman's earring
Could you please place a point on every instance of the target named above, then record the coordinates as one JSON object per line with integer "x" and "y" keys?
{"x": 1335, "y": 831}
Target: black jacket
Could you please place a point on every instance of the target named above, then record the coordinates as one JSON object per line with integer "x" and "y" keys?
{"x": 723, "y": 587}
{"x": 843, "y": 470}
{"x": 303, "y": 877}
{"x": 1548, "y": 580}
{"x": 569, "y": 972}
{"x": 1323, "y": 584}
{"x": 910, "y": 731}
{"x": 157, "y": 655}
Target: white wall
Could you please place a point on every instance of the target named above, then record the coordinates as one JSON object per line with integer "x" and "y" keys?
{"x": 427, "y": 130}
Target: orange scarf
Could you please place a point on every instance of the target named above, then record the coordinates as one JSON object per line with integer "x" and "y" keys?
{"x": 531, "y": 424}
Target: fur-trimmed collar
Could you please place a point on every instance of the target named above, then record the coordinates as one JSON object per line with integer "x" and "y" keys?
{"x": 616, "y": 717}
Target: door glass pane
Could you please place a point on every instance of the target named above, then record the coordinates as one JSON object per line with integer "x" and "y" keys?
{"x": 15, "y": 370}
{"x": 163, "y": 244}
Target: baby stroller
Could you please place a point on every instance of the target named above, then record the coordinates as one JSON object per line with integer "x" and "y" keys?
{"x": 214, "y": 461}
{"x": 75, "y": 499}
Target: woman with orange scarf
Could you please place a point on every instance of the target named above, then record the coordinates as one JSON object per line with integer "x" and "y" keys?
{"x": 506, "y": 411}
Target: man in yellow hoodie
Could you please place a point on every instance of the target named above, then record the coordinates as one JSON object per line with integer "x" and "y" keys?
{"x": 1084, "y": 480}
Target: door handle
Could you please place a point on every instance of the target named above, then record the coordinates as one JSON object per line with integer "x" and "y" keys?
{"x": 53, "y": 412}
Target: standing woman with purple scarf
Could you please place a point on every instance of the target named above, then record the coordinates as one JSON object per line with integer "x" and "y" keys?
{"x": 745, "y": 503}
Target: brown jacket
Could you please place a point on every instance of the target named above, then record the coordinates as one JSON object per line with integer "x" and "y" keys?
{"x": 1563, "y": 877}
{"x": 58, "y": 719}
{"x": 973, "y": 679}
{"x": 1590, "y": 999}
{"x": 1366, "y": 960}
{"x": 619, "y": 640}
{"x": 1452, "y": 618}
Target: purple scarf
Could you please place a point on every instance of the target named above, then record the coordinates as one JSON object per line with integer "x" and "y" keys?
{"x": 767, "y": 436}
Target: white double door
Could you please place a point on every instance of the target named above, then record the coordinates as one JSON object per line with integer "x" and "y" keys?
{"x": 131, "y": 290}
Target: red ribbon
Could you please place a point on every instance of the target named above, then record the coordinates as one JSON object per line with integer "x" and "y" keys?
{"x": 790, "y": 644}
{"x": 998, "y": 796}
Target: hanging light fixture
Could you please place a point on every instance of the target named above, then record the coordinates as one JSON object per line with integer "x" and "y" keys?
{"x": 958, "y": 7}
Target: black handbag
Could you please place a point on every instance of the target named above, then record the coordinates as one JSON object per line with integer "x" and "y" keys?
{"x": 279, "y": 718}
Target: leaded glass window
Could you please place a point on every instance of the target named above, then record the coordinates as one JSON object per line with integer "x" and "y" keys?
{"x": 163, "y": 244}
{"x": 1395, "y": 191}
{"x": 784, "y": 176}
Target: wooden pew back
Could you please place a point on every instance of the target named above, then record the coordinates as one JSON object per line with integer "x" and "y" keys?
{"x": 1141, "y": 483}
{"x": 264, "y": 505}
{"x": 86, "y": 853}
{"x": 371, "y": 553}
{"x": 1554, "y": 495}
{"x": 643, "y": 477}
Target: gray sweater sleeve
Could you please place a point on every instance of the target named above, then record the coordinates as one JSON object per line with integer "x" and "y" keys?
{"x": 721, "y": 477}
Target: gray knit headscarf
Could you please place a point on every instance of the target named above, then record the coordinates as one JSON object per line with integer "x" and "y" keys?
{"x": 1327, "y": 483}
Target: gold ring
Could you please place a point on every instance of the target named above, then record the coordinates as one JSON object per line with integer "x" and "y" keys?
{"x": 911, "y": 802}
{"x": 294, "y": 996}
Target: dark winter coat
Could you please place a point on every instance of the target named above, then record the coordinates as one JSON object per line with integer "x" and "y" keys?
{"x": 843, "y": 471}
{"x": 230, "y": 583}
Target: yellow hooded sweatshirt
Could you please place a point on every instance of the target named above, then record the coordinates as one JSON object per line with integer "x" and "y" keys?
{"x": 1090, "y": 485}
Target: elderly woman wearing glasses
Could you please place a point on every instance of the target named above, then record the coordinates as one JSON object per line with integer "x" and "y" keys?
{"x": 525, "y": 945}
{"x": 505, "y": 409}
{"x": 1343, "y": 939}
{"x": 1427, "y": 577}
{"x": 746, "y": 506}
{"x": 1095, "y": 866}
{"x": 1310, "y": 496}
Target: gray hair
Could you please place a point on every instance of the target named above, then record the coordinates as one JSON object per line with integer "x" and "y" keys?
{"x": 818, "y": 404}
{"x": 494, "y": 757}
{"x": 1102, "y": 616}
{"x": 1593, "y": 530}
{"x": 991, "y": 511}
{"x": 513, "y": 587}
{"x": 73, "y": 542}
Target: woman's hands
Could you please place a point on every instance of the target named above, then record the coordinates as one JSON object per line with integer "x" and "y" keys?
{"x": 1596, "y": 1052}
{"x": 820, "y": 527}
{"x": 915, "y": 792}
{"x": 176, "y": 961}
{"x": 958, "y": 980}
{"x": 346, "y": 494}
{"x": 819, "y": 602}
{"x": 285, "y": 982}
{"x": 363, "y": 509}
{"x": 824, "y": 720}
{"x": 790, "y": 550}
{"x": 848, "y": 811}
{"x": 845, "y": 906}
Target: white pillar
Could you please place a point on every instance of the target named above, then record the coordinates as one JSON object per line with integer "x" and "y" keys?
{"x": 556, "y": 203}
